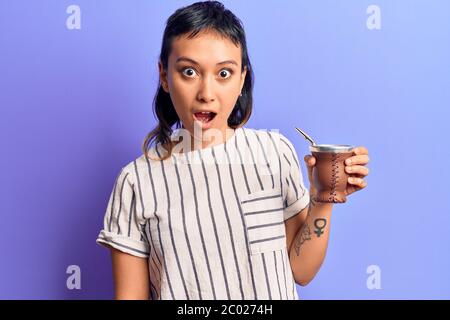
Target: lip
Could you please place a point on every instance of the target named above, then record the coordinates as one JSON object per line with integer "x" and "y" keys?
{"x": 195, "y": 111}
{"x": 201, "y": 124}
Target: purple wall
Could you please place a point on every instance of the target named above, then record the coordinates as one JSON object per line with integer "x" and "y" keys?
{"x": 76, "y": 105}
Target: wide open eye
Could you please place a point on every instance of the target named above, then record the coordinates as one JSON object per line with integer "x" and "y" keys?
{"x": 189, "y": 72}
{"x": 225, "y": 73}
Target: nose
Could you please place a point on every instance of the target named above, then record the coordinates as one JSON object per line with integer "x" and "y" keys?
{"x": 206, "y": 90}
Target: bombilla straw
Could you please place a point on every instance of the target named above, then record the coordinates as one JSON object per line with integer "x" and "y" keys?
{"x": 307, "y": 137}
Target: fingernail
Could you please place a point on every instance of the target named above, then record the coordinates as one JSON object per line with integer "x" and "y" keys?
{"x": 348, "y": 161}
{"x": 349, "y": 169}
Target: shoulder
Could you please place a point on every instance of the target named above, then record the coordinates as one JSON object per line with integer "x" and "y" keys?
{"x": 136, "y": 168}
{"x": 273, "y": 134}
{"x": 274, "y": 140}
{"x": 286, "y": 148}
{"x": 278, "y": 139}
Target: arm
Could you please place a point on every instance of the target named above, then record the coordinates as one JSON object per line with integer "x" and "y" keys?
{"x": 310, "y": 231}
{"x": 131, "y": 278}
{"x": 308, "y": 249}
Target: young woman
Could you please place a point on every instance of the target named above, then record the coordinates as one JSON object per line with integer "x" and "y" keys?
{"x": 214, "y": 210}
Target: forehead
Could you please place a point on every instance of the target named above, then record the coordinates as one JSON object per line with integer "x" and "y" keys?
{"x": 205, "y": 48}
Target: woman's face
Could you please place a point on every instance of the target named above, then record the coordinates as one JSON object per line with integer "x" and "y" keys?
{"x": 204, "y": 74}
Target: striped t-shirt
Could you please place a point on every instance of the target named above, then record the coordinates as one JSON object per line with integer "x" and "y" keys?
{"x": 211, "y": 221}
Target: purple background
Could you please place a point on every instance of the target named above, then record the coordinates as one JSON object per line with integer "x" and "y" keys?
{"x": 76, "y": 105}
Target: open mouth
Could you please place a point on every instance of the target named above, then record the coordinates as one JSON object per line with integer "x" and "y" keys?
{"x": 205, "y": 116}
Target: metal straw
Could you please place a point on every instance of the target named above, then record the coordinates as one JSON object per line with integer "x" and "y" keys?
{"x": 307, "y": 137}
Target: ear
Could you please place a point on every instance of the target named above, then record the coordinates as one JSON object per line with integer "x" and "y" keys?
{"x": 163, "y": 77}
{"x": 243, "y": 75}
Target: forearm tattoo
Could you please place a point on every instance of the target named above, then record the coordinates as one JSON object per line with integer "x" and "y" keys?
{"x": 319, "y": 224}
{"x": 305, "y": 233}
{"x": 301, "y": 237}
{"x": 312, "y": 203}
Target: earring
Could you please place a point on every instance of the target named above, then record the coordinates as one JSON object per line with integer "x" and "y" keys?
{"x": 240, "y": 95}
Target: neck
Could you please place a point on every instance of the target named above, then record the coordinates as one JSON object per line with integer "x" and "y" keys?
{"x": 204, "y": 139}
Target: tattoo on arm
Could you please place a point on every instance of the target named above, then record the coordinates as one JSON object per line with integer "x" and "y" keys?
{"x": 312, "y": 203}
{"x": 320, "y": 224}
{"x": 305, "y": 233}
{"x": 301, "y": 237}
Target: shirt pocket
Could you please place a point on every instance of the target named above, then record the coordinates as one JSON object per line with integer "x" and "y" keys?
{"x": 264, "y": 223}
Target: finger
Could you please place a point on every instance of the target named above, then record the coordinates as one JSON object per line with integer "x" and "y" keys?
{"x": 351, "y": 189}
{"x": 359, "y": 159}
{"x": 364, "y": 171}
{"x": 360, "y": 150}
{"x": 310, "y": 160}
{"x": 361, "y": 183}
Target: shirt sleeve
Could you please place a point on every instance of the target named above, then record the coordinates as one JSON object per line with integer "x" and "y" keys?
{"x": 295, "y": 194}
{"x": 123, "y": 228}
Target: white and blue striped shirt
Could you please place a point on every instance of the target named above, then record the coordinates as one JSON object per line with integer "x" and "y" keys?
{"x": 211, "y": 221}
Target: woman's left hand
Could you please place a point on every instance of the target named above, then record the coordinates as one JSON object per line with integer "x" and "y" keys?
{"x": 355, "y": 166}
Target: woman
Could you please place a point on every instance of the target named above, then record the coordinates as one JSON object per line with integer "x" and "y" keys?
{"x": 214, "y": 210}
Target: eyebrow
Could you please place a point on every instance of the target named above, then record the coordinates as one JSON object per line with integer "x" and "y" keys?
{"x": 196, "y": 63}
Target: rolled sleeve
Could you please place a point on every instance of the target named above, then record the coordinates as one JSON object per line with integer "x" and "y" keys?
{"x": 123, "y": 229}
{"x": 295, "y": 194}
